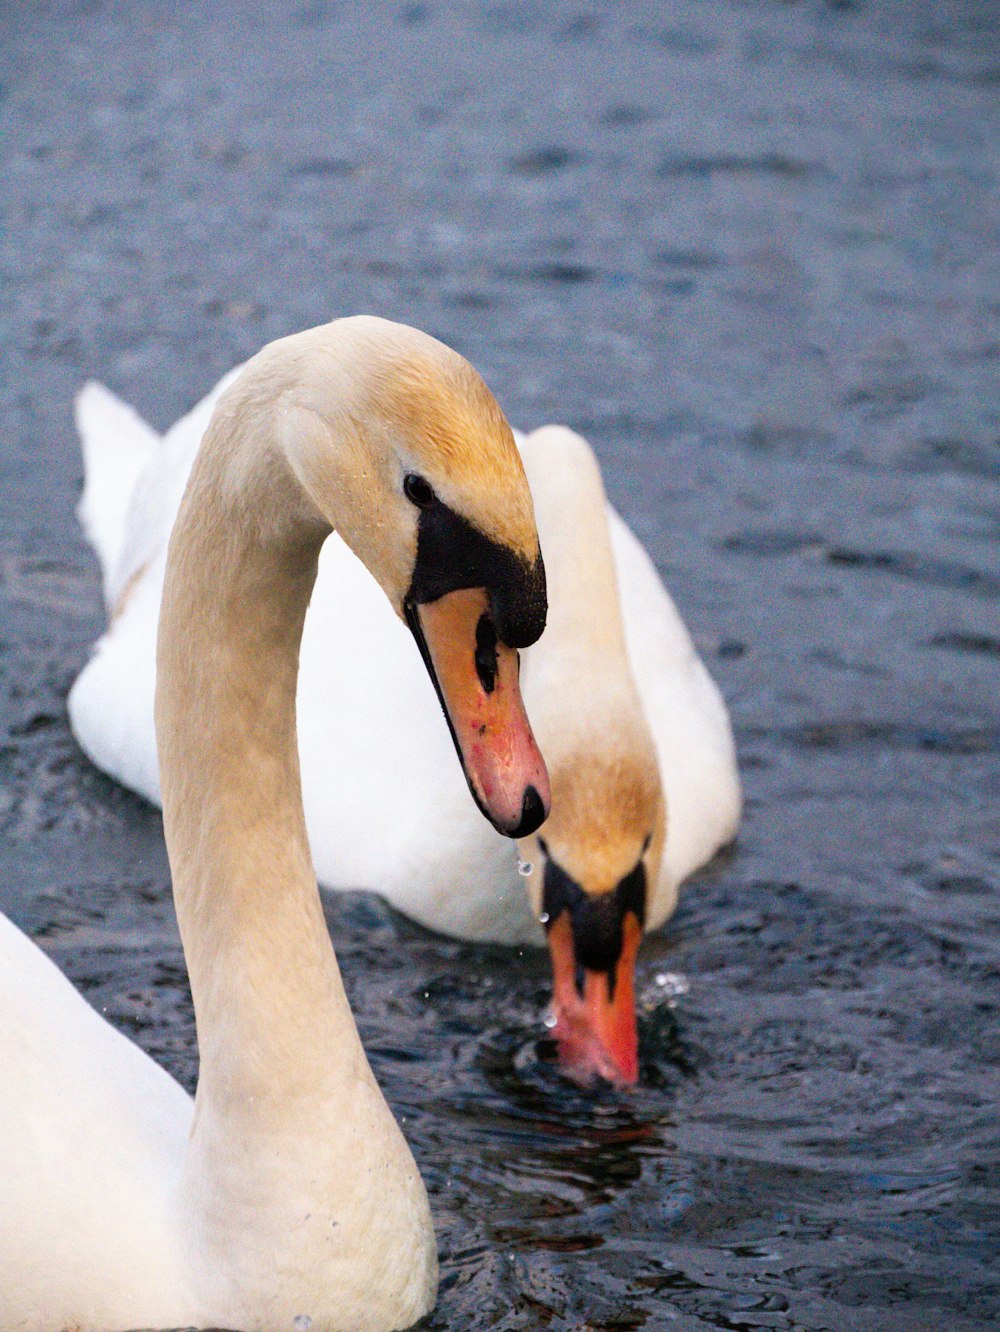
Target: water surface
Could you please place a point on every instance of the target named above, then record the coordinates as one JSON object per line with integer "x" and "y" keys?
{"x": 751, "y": 250}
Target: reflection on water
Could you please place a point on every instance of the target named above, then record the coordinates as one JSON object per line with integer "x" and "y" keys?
{"x": 750, "y": 248}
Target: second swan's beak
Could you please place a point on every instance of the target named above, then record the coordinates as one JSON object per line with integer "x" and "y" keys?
{"x": 476, "y": 677}
{"x": 593, "y": 942}
{"x": 596, "y": 1028}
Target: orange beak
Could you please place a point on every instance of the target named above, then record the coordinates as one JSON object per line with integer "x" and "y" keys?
{"x": 476, "y": 677}
{"x": 596, "y": 1031}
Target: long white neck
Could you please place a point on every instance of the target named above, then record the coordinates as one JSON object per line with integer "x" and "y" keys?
{"x": 584, "y": 634}
{"x": 263, "y": 974}
{"x": 578, "y": 681}
{"x": 290, "y": 1125}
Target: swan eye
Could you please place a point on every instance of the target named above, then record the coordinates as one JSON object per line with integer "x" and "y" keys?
{"x": 418, "y": 491}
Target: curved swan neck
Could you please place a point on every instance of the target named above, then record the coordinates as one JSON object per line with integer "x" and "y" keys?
{"x": 570, "y": 508}
{"x": 585, "y": 634}
{"x": 235, "y": 595}
{"x": 290, "y": 1127}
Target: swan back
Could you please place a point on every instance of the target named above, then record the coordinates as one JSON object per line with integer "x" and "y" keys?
{"x": 95, "y": 1137}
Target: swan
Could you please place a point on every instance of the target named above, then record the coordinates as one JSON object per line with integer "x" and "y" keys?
{"x": 284, "y": 1196}
{"x": 647, "y": 743}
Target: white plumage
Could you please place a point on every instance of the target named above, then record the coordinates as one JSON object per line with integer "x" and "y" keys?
{"x": 370, "y": 732}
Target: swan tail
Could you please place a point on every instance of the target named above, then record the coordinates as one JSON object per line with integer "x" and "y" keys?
{"x": 117, "y": 445}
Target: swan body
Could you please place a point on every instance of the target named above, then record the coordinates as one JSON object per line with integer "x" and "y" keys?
{"x": 439, "y": 863}
{"x": 108, "y": 1139}
{"x": 284, "y": 1196}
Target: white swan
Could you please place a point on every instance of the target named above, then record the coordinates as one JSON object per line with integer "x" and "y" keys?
{"x": 285, "y": 1196}
{"x": 364, "y": 699}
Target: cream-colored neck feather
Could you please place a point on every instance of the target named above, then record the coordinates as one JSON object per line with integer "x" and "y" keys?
{"x": 570, "y": 509}
{"x": 297, "y": 1172}
{"x": 581, "y": 691}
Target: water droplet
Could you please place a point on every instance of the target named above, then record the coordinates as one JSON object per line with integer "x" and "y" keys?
{"x": 672, "y": 982}
{"x": 549, "y": 1020}
{"x": 524, "y": 868}
{"x": 543, "y": 919}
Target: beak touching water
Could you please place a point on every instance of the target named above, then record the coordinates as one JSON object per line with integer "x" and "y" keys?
{"x": 593, "y": 943}
{"x": 476, "y": 677}
{"x": 595, "y": 1027}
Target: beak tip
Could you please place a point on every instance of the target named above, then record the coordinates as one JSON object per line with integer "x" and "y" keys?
{"x": 586, "y": 1060}
{"x": 534, "y": 812}
{"x": 596, "y": 1027}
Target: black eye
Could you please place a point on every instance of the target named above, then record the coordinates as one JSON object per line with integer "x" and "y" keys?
{"x": 417, "y": 491}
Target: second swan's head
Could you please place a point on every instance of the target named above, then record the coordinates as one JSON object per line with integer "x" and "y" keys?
{"x": 403, "y": 449}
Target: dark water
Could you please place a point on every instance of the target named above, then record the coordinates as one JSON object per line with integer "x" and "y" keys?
{"x": 753, "y": 251}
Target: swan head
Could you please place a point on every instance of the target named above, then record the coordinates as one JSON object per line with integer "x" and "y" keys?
{"x": 593, "y": 864}
{"x": 426, "y": 486}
